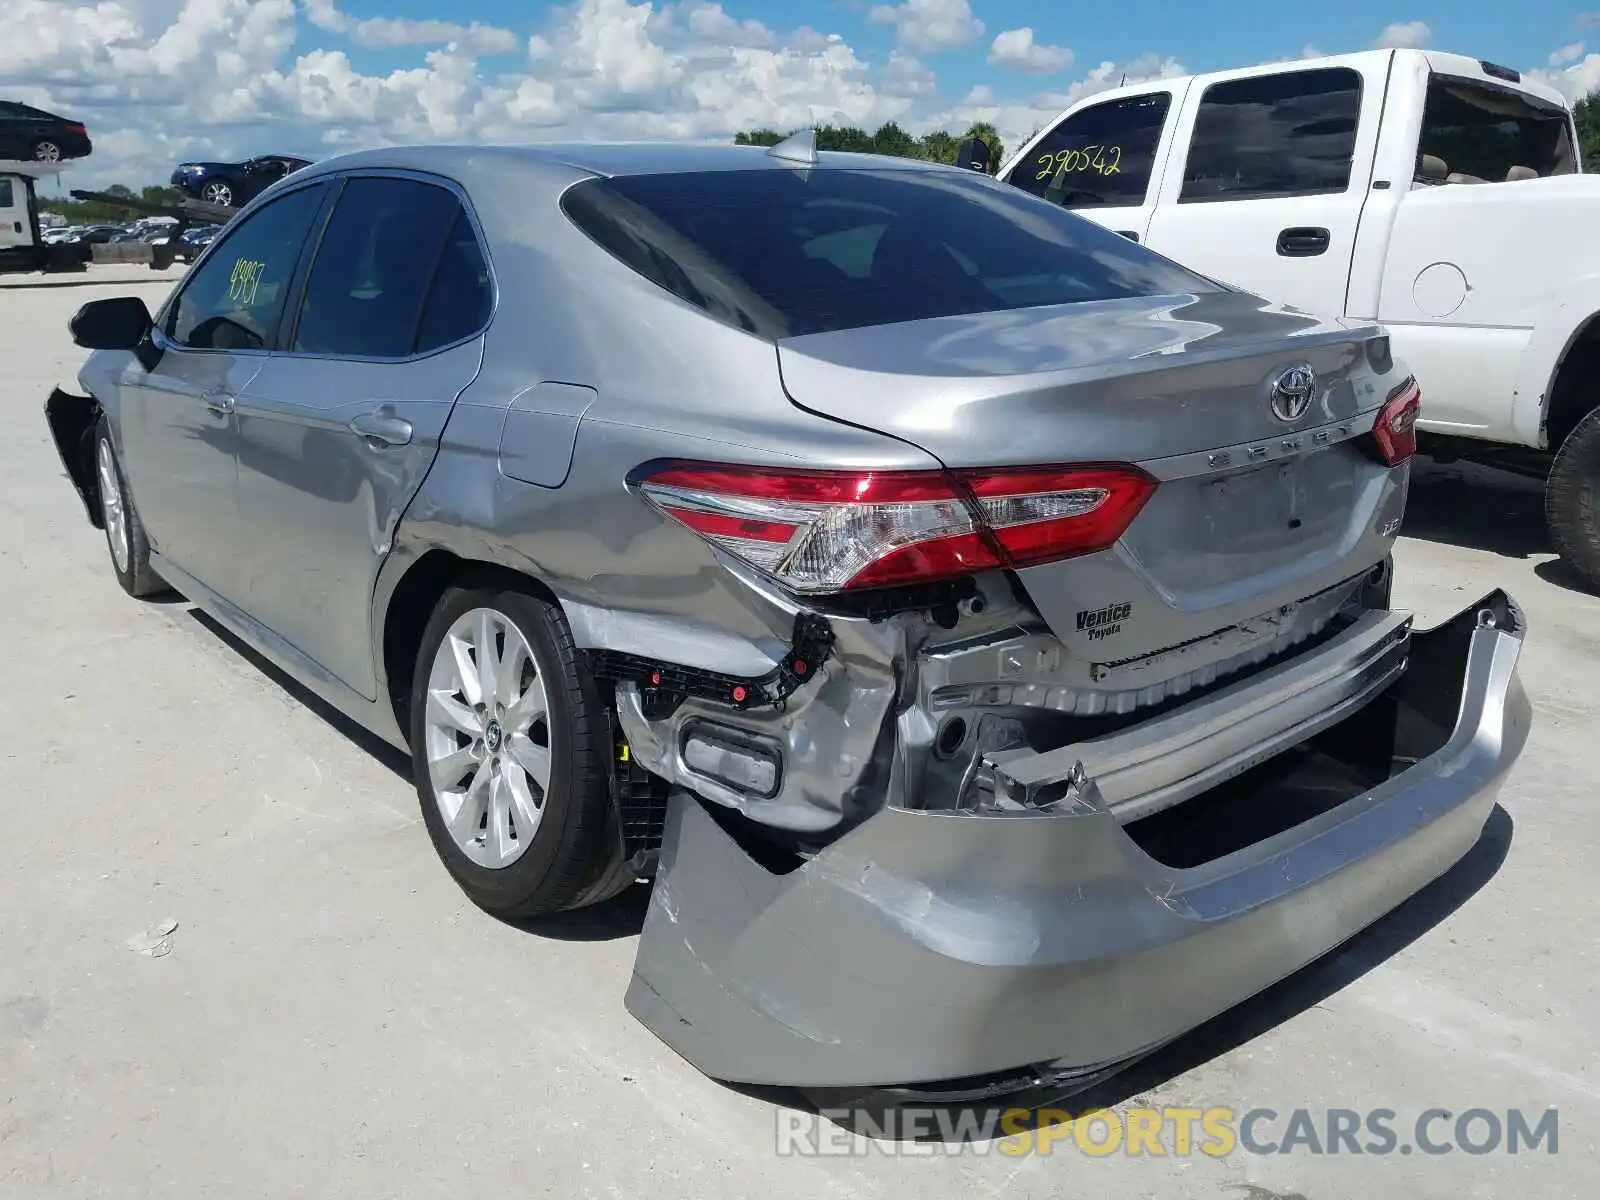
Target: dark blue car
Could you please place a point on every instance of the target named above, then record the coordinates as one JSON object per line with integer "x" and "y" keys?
{"x": 236, "y": 183}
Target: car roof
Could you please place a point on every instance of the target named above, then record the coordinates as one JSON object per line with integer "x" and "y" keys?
{"x": 610, "y": 159}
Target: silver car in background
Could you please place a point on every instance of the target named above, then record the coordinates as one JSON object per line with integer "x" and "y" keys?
{"x": 976, "y": 625}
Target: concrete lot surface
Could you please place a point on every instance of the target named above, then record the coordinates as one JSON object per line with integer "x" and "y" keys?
{"x": 330, "y": 1018}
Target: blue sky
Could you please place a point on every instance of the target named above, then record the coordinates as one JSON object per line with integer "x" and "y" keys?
{"x": 159, "y": 81}
{"x": 1203, "y": 36}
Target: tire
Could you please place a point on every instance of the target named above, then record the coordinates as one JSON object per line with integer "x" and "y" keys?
{"x": 564, "y": 862}
{"x": 126, "y": 543}
{"x": 1572, "y": 500}
{"x": 217, "y": 192}
{"x": 47, "y": 151}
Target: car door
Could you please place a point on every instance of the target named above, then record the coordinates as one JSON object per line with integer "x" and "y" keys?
{"x": 177, "y": 425}
{"x": 344, "y": 421}
{"x": 1268, "y": 195}
{"x": 1101, "y": 159}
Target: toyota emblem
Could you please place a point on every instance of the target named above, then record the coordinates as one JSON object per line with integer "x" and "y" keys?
{"x": 1292, "y": 392}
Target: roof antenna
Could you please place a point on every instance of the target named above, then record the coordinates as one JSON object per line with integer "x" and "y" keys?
{"x": 799, "y": 147}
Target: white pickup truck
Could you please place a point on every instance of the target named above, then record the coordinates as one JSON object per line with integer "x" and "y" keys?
{"x": 1440, "y": 195}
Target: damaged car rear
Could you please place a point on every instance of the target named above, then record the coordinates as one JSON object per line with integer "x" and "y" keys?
{"x": 976, "y": 625}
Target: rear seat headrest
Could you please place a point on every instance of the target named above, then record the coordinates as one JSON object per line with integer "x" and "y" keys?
{"x": 1431, "y": 166}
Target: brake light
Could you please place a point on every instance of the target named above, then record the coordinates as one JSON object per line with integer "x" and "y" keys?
{"x": 1395, "y": 429}
{"x": 833, "y": 531}
{"x": 76, "y": 127}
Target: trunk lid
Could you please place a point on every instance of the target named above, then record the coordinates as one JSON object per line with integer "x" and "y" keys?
{"x": 1254, "y": 514}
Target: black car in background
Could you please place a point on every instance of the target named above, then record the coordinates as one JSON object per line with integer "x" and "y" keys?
{"x": 233, "y": 184}
{"x": 33, "y": 134}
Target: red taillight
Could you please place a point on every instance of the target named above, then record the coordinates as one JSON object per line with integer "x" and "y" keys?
{"x": 75, "y": 127}
{"x": 833, "y": 531}
{"x": 1395, "y": 430}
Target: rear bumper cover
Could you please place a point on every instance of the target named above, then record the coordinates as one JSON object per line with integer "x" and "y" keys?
{"x": 924, "y": 947}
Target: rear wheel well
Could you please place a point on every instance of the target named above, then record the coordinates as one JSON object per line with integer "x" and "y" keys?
{"x": 412, "y": 604}
{"x": 1573, "y": 392}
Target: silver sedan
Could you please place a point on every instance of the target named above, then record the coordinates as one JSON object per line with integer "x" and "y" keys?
{"x": 974, "y": 625}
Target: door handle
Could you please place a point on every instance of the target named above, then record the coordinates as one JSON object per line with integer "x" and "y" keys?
{"x": 1303, "y": 241}
{"x": 220, "y": 403}
{"x": 382, "y": 427}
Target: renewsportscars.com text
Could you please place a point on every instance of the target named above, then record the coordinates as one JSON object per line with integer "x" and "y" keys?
{"x": 1168, "y": 1132}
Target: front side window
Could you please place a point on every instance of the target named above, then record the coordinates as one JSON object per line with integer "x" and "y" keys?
{"x": 8, "y": 197}
{"x": 365, "y": 294}
{"x": 1476, "y": 134}
{"x": 1104, "y": 154}
{"x": 781, "y": 253}
{"x": 1286, "y": 134}
{"x": 235, "y": 299}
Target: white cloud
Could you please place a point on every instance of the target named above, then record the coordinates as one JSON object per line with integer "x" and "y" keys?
{"x": 1575, "y": 76}
{"x": 1016, "y": 49}
{"x": 1405, "y": 35}
{"x": 930, "y": 26}
{"x": 1567, "y": 54}
{"x": 373, "y": 32}
{"x": 158, "y": 81}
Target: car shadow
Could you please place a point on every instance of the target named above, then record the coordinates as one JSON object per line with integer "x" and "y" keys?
{"x": 873, "y": 1115}
{"x": 396, "y": 760}
{"x": 620, "y": 917}
{"x": 1479, "y": 507}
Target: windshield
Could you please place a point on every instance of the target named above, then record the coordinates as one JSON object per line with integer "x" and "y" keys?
{"x": 1477, "y": 134}
{"x": 783, "y": 253}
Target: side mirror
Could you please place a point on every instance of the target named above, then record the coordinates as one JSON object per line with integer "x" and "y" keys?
{"x": 974, "y": 155}
{"x": 120, "y": 323}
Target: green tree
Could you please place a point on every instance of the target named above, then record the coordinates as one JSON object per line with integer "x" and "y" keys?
{"x": 846, "y": 137}
{"x": 1586, "y": 113}
{"x": 891, "y": 139}
{"x": 939, "y": 146}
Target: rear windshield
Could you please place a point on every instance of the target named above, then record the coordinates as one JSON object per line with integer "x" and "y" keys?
{"x": 783, "y": 253}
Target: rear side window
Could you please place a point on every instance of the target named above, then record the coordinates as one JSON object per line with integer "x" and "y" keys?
{"x": 365, "y": 294}
{"x": 235, "y": 299}
{"x": 1476, "y": 134}
{"x": 8, "y": 197}
{"x": 1104, "y": 154}
{"x": 461, "y": 297}
{"x": 1287, "y": 134}
{"x": 783, "y": 253}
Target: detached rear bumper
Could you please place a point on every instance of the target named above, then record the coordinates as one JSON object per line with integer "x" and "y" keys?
{"x": 924, "y": 947}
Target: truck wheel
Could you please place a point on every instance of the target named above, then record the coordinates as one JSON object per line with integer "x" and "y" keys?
{"x": 1572, "y": 500}
{"x": 509, "y": 740}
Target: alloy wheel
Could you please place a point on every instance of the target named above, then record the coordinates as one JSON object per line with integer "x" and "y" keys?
{"x": 47, "y": 152}
{"x": 487, "y": 737}
{"x": 111, "y": 507}
{"x": 218, "y": 193}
